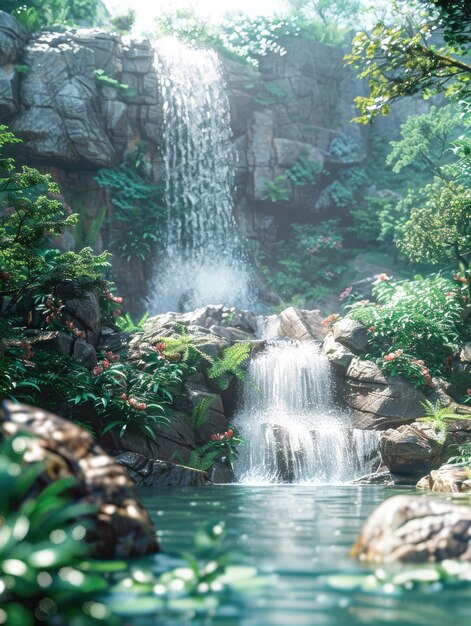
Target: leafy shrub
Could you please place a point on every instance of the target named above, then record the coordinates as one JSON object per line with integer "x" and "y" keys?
{"x": 417, "y": 325}
{"x": 302, "y": 265}
{"x": 438, "y": 417}
{"x": 104, "y": 79}
{"x": 139, "y": 218}
{"x": 277, "y": 190}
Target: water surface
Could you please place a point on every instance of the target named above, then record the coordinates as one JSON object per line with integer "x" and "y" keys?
{"x": 297, "y": 536}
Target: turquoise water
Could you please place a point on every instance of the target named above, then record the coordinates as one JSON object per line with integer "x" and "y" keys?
{"x": 297, "y": 536}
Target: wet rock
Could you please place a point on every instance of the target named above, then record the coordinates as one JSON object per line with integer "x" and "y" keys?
{"x": 366, "y": 372}
{"x": 384, "y": 405}
{"x": 351, "y": 334}
{"x": 411, "y": 449}
{"x": 84, "y": 353}
{"x": 113, "y": 341}
{"x": 340, "y": 356}
{"x": 13, "y": 38}
{"x": 9, "y": 94}
{"x": 448, "y": 479}
{"x": 301, "y": 324}
{"x": 414, "y": 529}
{"x": 375, "y": 478}
{"x": 230, "y": 333}
{"x": 122, "y": 527}
{"x": 152, "y": 473}
{"x": 53, "y": 341}
{"x": 85, "y": 311}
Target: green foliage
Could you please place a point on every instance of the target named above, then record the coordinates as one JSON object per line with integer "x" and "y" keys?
{"x": 416, "y": 327}
{"x": 437, "y": 417}
{"x": 302, "y": 265}
{"x": 200, "y": 414}
{"x": 336, "y": 12}
{"x": 224, "y": 448}
{"x": 277, "y": 190}
{"x": 32, "y": 216}
{"x": 439, "y": 230}
{"x": 126, "y": 324}
{"x": 43, "y": 571}
{"x": 426, "y": 138}
{"x": 304, "y": 171}
{"x": 39, "y": 14}
{"x": 241, "y": 37}
{"x": 139, "y": 216}
{"x": 123, "y": 23}
{"x": 462, "y": 454}
{"x": 402, "y": 59}
{"x": 104, "y": 79}
{"x": 230, "y": 364}
{"x": 343, "y": 191}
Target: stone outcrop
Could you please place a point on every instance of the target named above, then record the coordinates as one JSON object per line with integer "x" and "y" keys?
{"x": 121, "y": 527}
{"x": 301, "y": 324}
{"x": 414, "y": 529}
{"x": 448, "y": 479}
{"x": 378, "y": 402}
{"x": 412, "y": 449}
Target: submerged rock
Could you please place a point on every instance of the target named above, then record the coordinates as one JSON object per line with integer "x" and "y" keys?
{"x": 415, "y": 529}
{"x": 448, "y": 479}
{"x": 122, "y": 526}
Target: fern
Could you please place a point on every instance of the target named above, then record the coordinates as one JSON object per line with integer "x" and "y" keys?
{"x": 463, "y": 455}
{"x": 437, "y": 417}
{"x": 201, "y": 459}
{"x": 200, "y": 414}
{"x": 126, "y": 324}
{"x": 230, "y": 363}
{"x": 182, "y": 344}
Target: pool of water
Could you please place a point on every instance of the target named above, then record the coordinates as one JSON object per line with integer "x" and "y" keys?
{"x": 297, "y": 536}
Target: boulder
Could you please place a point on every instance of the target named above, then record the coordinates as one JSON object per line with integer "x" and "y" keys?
{"x": 351, "y": 334}
{"x": 121, "y": 526}
{"x": 13, "y": 38}
{"x": 448, "y": 479}
{"x": 151, "y": 473}
{"x": 85, "y": 311}
{"x": 301, "y": 324}
{"x": 383, "y": 405}
{"x": 9, "y": 94}
{"x": 84, "y": 353}
{"x": 365, "y": 372}
{"x": 414, "y": 529}
{"x": 411, "y": 449}
{"x": 340, "y": 356}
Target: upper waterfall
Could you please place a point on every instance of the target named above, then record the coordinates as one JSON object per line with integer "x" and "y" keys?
{"x": 295, "y": 431}
{"x": 204, "y": 261}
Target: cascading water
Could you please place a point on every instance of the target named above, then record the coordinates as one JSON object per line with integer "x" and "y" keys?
{"x": 204, "y": 258}
{"x": 295, "y": 433}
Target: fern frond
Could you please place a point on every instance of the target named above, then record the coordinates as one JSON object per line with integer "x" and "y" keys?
{"x": 200, "y": 414}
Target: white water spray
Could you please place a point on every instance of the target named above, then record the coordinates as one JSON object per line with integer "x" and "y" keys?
{"x": 295, "y": 433}
{"x": 204, "y": 259}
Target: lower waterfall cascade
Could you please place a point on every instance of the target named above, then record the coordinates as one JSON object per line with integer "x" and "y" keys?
{"x": 295, "y": 432}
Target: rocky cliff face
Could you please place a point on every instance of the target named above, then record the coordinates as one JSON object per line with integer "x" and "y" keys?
{"x": 82, "y": 100}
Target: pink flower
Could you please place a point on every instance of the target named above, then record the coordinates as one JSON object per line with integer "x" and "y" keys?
{"x": 142, "y": 406}
{"x": 371, "y": 329}
{"x": 390, "y": 357}
{"x": 345, "y": 293}
{"x": 468, "y": 391}
{"x": 124, "y": 397}
{"x": 363, "y": 302}
{"x": 383, "y": 277}
{"x": 97, "y": 370}
{"x": 118, "y": 299}
{"x": 330, "y": 319}
{"x": 117, "y": 313}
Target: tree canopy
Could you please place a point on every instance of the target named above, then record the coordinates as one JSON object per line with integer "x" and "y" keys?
{"x": 422, "y": 51}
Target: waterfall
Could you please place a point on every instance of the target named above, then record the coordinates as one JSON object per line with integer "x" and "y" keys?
{"x": 294, "y": 430}
{"x": 204, "y": 261}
